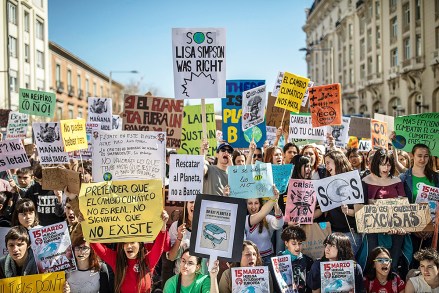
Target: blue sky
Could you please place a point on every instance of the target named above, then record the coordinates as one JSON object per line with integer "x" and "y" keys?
{"x": 263, "y": 37}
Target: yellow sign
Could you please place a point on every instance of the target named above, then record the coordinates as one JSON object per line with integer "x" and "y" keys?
{"x": 291, "y": 92}
{"x": 73, "y": 134}
{"x": 51, "y": 282}
{"x": 121, "y": 211}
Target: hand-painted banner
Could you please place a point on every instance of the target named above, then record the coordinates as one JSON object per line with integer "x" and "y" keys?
{"x": 232, "y": 115}
{"x": 306, "y": 95}
{"x": 251, "y": 181}
{"x": 124, "y": 155}
{"x": 283, "y": 273}
{"x": 17, "y": 125}
{"x": 50, "y": 282}
{"x": 92, "y": 131}
{"x": 155, "y": 114}
{"x": 12, "y": 155}
{"x": 359, "y": 127}
{"x": 192, "y": 130}
{"x": 52, "y": 248}
{"x": 73, "y": 134}
{"x": 325, "y": 105}
{"x": 121, "y": 211}
{"x": 378, "y": 131}
{"x": 390, "y": 120}
{"x": 100, "y": 110}
{"x": 429, "y": 194}
{"x": 185, "y": 177}
{"x": 340, "y": 133}
{"x": 337, "y": 276}
{"x": 250, "y": 279}
{"x": 4, "y": 117}
{"x": 49, "y": 143}
{"x": 414, "y": 129}
{"x": 274, "y": 114}
{"x": 281, "y": 176}
{"x": 301, "y": 202}
{"x": 116, "y": 122}
{"x": 36, "y": 103}
{"x": 334, "y": 191}
{"x": 199, "y": 57}
{"x": 301, "y": 127}
{"x": 253, "y": 107}
{"x": 291, "y": 92}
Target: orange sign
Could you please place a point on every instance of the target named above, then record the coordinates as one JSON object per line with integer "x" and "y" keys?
{"x": 325, "y": 105}
{"x": 378, "y": 132}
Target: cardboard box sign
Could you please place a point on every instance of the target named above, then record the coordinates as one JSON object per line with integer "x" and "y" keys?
{"x": 55, "y": 178}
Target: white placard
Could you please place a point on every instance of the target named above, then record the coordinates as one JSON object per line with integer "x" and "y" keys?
{"x": 340, "y": 132}
{"x": 49, "y": 143}
{"x": 116, "y": 122}
{"x": 250, "y": 279}
{"x": 12, "y": 155}
{"x": 100, "y": 110}
{"x": 185, "y": 177}
{"x": 277, "y": 84}
{"x": 254, "y": 102}
{"x": 17, "y": 125}
{"x": 283, "y": 272}
{"x": 301, "y": 127}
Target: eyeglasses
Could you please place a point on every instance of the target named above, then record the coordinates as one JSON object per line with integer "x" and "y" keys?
{"x": 188, "y": 263}
{"x": 383, "y": 260}
{"x": 82, "y": 248}
{"x": 257, "y": 155}
{"x": 226, "y": 150}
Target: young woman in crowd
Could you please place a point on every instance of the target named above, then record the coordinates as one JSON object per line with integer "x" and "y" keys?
{"x": 337, "y": 247}
{"x": 273, "y": 155}
{"x": 250, "y": 258}
{"x": 356, "y": 159}
{"x": 190, "y": 278}
{"x": 379, "y": 276}
{"x": 25, "y": 214}
{"x": 290, "y": 150}
{"x": 238, "y": 158}
{"x": 133, "y": 267}
{"x": 311, "y": 151}
{"x": 428, "y": 280}
{"x": 254, "y": 154}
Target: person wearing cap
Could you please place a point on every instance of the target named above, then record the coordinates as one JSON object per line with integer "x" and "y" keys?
{"x": 215, "y": 176}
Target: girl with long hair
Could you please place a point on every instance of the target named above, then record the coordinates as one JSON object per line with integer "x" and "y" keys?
{"x": 310, "y": 151}
{"x": 25, "y": 214}
{"x": 273, "y": 155}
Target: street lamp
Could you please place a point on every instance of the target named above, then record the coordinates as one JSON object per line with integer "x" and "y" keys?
{"x": 118, "y": 71}
{"x": 309, "y": 50}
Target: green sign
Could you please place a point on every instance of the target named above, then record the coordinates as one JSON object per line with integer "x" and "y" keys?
{"x": 414, "y": 129}
{"x": 37, "y": 103}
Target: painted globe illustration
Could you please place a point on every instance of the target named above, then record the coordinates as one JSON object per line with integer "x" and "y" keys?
{"x": 399, "y": 142}
{"x": 199, "y": 38}
{"x": 257, "y": 134}
{"x": 107, "y": 176}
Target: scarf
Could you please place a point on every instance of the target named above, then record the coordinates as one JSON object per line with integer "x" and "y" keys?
{"x": 10, "y": 267}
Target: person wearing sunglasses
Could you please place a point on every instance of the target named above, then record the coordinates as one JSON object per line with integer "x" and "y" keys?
{"x": 428, "y": 280}
{"x": 215, "y": 176}
{"x": 379, "y": 276}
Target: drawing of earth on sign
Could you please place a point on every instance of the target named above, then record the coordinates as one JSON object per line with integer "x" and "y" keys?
{"x": 338, "y": 285}
{"x": 255, "y": 131}
{"x": 338, "y": 190}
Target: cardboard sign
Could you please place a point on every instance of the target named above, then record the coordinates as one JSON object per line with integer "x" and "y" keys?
{"x": 340, "y": 133}
{"x": 301, "y": 127}
{"x": 17, "y": 125}
{"x": 116, "y": 122}
{"x": 283, "y": 272}
{"x": 306, "y": 96}
{"x": 430, "y": 195}
{"x": 36, "y": 103}
{"x": 192, "y": 132}
{"x": 337, "y": 276}
{"x": 325, "y": 105}
{"x": 12, "y": 155}
{"x": 232, "y": 115}
{"x": 3, "y": 248}
{"x": 73, "y": 134}
{"x": 291, "y": 92}
{"x": 58, "y": 178}
{"x": 383, "y": 218}
{"x": 379, "y": 137}
{"x": 155, "y": 114}
{"x": 121, "y": 211}
{"x": 100, "y": 110}
{"x": 253, "y": 107}
{"x": 277, "y": 84}
{"x": 250, "y": 279}
{"x": 281, "y": 175}
{"x": 316, "y": 233}
{"x": 199, "y": 57}
{"x": 4, "y": 117}
{"x": 185, "y": 177}
{"x": 274, "y": 114}
{"x": 359, "y": 127}
{"x": 334, "y": 191}
{"x": 124, "y": 155}
{"x": 52, "y": 248}
{"x": 390, "y": 120}
{"x": 49, "y": 143}
{"x": 250, "y": 181}
{"x": 301, "y": 202}
{"x": 414, "y": 129}
{"x": 51, "y": 282}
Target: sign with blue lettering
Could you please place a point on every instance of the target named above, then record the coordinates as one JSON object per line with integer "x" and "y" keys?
{"x": 251, "y": 181}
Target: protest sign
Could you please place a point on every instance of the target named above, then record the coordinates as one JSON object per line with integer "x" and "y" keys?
{"x": 100, "y": 110}
{"x": 232, "y": 115}
{"x": 306, "y": 96}
{"x": 281, "y": 175}
{"x": 50, "y": 282}
{"x": 316, "y": 233}
{"x": 359, "y": 127}
{"x": 334, "y": 191}
{"x": 414, "y": 129}
{"x": 124, "y": 155}
{"x": 52, "y": 248}
{"x": 283, "y": 272}
{"x": 337, "y": 276}
{"x": 271, "y": 134}
{"x": 383, "y": 218}
{"x": 55, "y": 178}
{"x": 192, "y": 130}
{"x": 155, "y": 114}
{"x": 91, "y": 131}
{"x": 353, "y": 142}
{"x": 378, "y": 131}
{"x": 291, "y": 92}
{"x": 199, "y": 57}
{"x": 49, "y": 144}
{"x": 390, "y": 120}
{"x": 12, "y": 155}
{"x": 365, "y": 145}
{"x": 301, "y": 202}
{"x": 116, "y": 122}
{"x": 301, "y": 127}
{"x": 277, "y": 84}
{"x": 250, "y": 181}
{"x": 250, "y": 279}
{"x": 73, "y": 134}
{"x": 253, "y": 107}
{"x": 392, "y": 201}
{"x": 121, "y": 211}
{"x": 4, "y": 117}
{"x": 325, "y": 105}
{"x": 3, "y": 248}
{"x": 17, "y": 125}
{"x": 185, "y": 177}
{"x": 340, "y": 133}
{"x": 36, "y": 103}
{"x": 274, "y": 114}
{"x": 430, "y": 195}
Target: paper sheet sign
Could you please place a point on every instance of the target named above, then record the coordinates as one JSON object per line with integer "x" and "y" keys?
{"x": 250, "y": 279}
{"x": 12, "y": 155}
{"x": 73, "y": 134}
{"x": 340, "y": 133}
{"x": 36, "y": 103}
{"x": 430, "y": 195}
{"x": 337, "y": 276}
{"x": 325, "y": 105}
{"x": 253, "y": 107}
{"x": 185, "y": 177}
{"x": 49, "y": 143}
{"x": 281, "y": 176}
{"x": 379, "y": 137}
{"x": 116, "y": 122}
{"x": 291, "y": 92}
{"x": 100, "y": 110}
{"x": 251, "y": 181}
{"x": 301, "y": 202}
{"x": 301, "y": 128}
{"x": 283, "y": 272}
{"x": 50, "y": 282}
{"x": 17, "y": 125}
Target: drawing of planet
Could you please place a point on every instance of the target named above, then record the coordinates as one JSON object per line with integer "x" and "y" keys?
{"x": 399, "y": 142}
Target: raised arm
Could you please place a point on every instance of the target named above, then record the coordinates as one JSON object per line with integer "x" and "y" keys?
{"x": 265, "y": 209}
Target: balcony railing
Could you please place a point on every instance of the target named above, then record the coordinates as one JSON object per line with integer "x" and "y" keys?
{"x": 59, "y": 87}
{"x": 71, "y": 90}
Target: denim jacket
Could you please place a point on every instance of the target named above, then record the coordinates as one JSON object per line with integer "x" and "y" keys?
{"x": 407, "y": 179}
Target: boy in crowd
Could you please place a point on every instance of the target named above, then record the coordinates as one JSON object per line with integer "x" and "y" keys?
{"x": 25, "y": 179}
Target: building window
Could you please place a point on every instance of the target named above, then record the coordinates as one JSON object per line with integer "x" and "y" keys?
{"x": 419, "y": 45}
{"x": 392, "y": 5}
{"x": 12, "y": 13}
{"x": 79, "y": 82}
{"x": 26, "y": 21}
{"x": 69, "y": 79}
{"x": 351, "y": 54}
{"x": 12, "y": 47}
{"x": 351, "y": 77}
{"x": 95, "y": 90}
{"x": 393, "y": 28}
{"x": 70, "y": 106}
{"x": 39, "y": 30}
{"x": 406, "y": 16}
{"x": 407, "y": 49}
{"x": 369, "y": 65}
{"x": 436, "y": 9}
{"x": 87, "y": 87}
{"x": 418, "y": 10}
{"x": 58, "y": 74}
{"x": 13, "y": 81}
{"x": 40, "y": 85}
{"x": 340, "y": 59}
{"x": 394, "y": 57}
{"x": 80, "y": 112}
{"x": 59, "y": 111}
{"x": 378, "y": 64}
{"x": 102, "y": 91}
{"x": 378, "y": 36}
{"x": 26, "y": 53}
{"x": 351, "y": 31}
{"x": 369, "y": 39}
{"x": 362, "y": 25}
{"x": 377, "y": 9}
{"x": 40, "y": 59}
{"x": 362, "y": 49}
{"x": 27, "y": 81}
{"x": 362, "y": 71}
